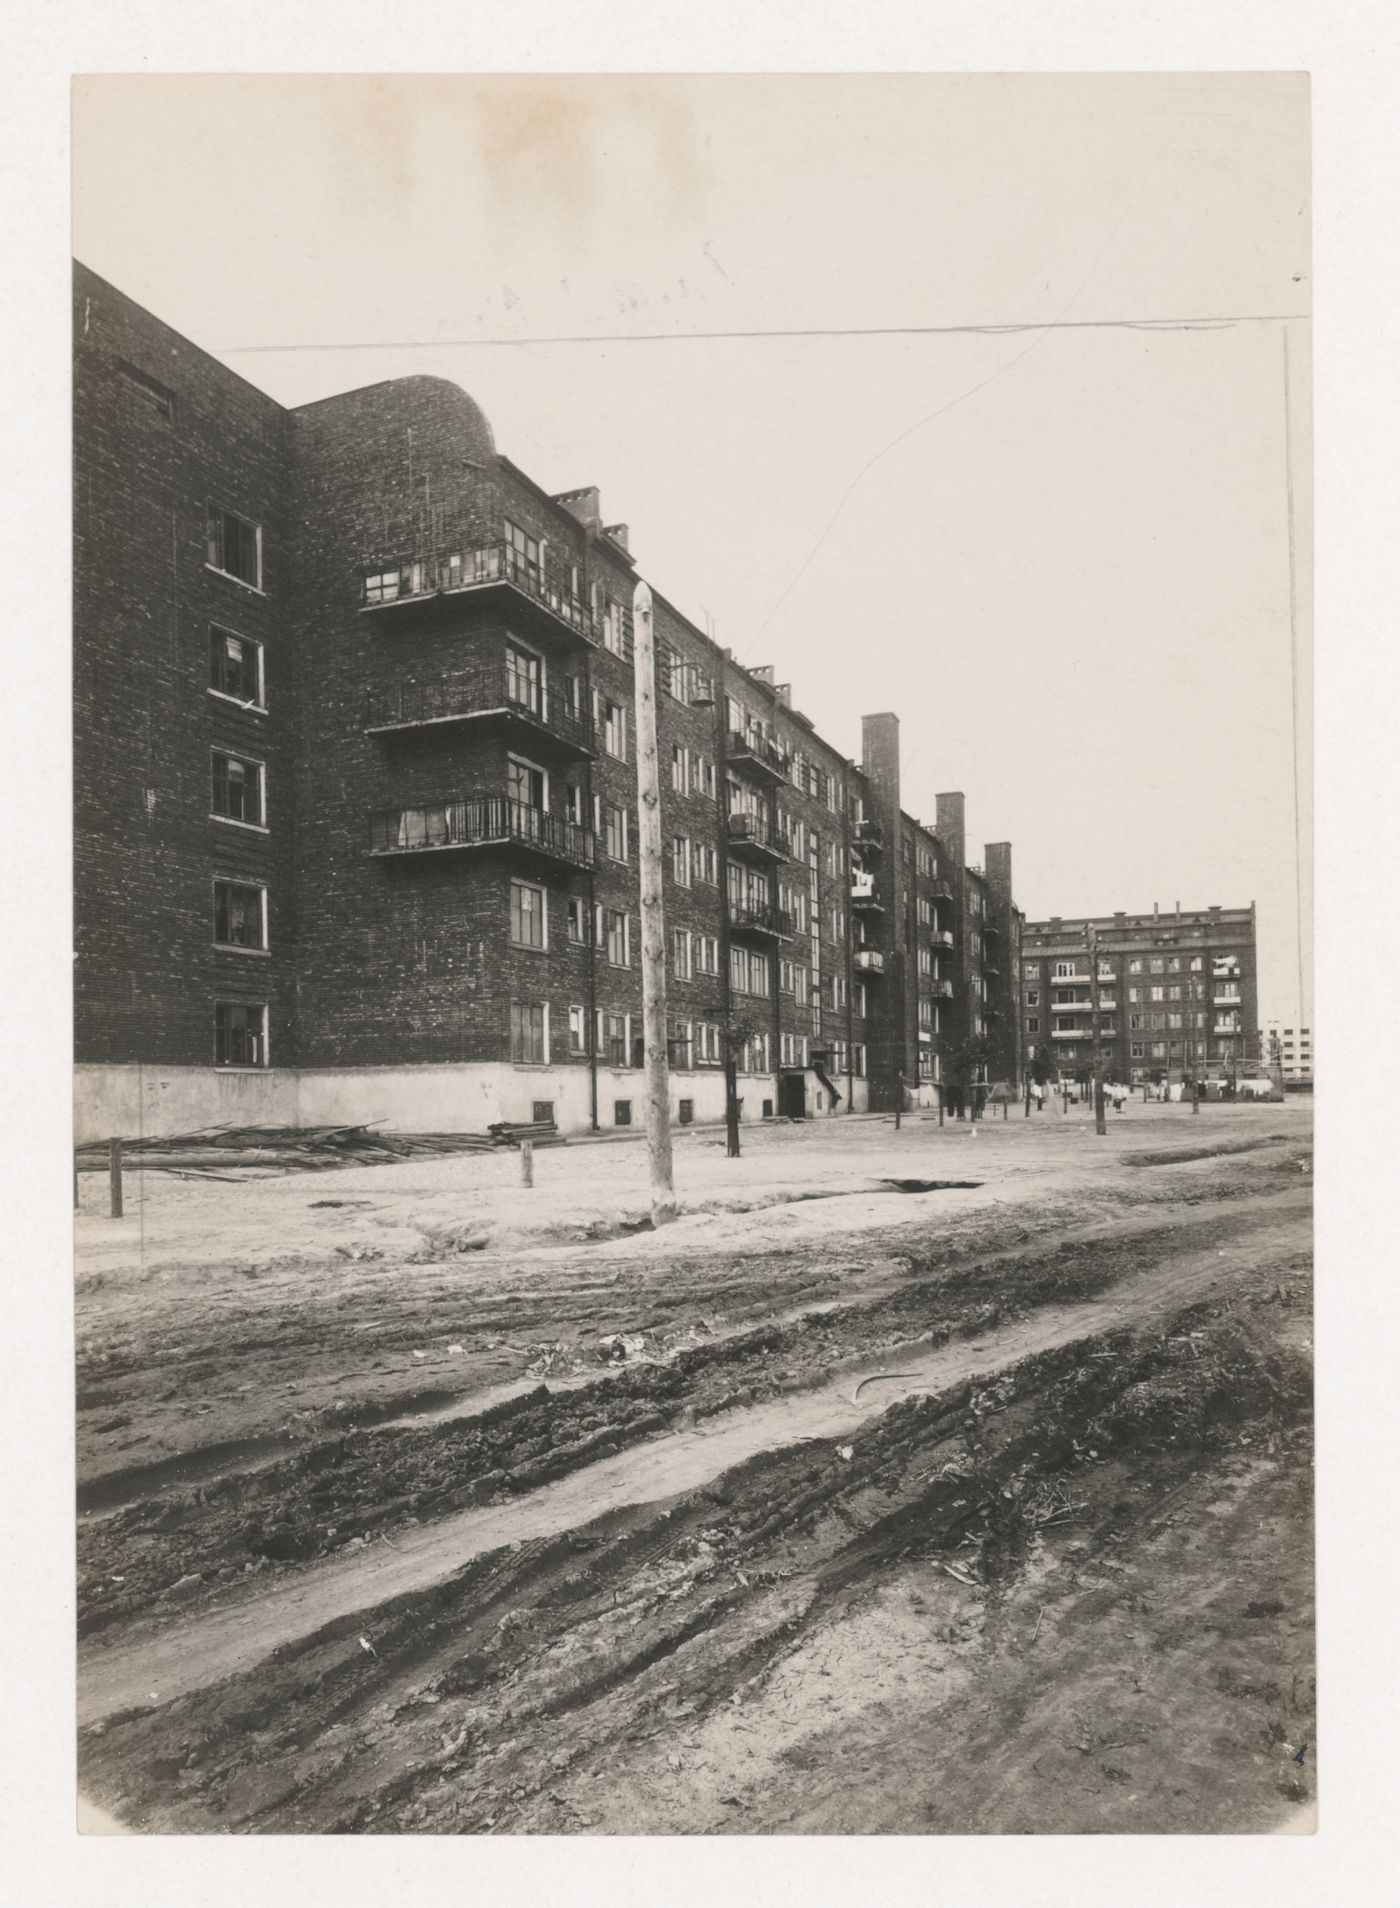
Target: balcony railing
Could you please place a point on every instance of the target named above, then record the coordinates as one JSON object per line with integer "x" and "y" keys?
{"x": 869, "y": 960}
{"x": 1070, "y": 1033}
{"x": 491, "y": 565}
{"x": 486, "y": 693}
{"x": 752, "y": 832}
{"x": 942, "y": 937}
{"x": 478, "y": 822}
{"x": 941, "y": 989}
{"x": 760, "y": 756}
{"x": 863, "y": 893}
{"x": 868, "y": 834}
{"x": 772, "y": 922}
{"x": 941, "y": 890}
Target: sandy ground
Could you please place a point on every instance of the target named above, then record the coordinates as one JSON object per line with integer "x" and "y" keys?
{"x": 379, "y": 1530}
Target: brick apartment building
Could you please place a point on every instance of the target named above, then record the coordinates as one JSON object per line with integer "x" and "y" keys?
{"x": 1156, "y": 996}
{"x": 355, "y": 801}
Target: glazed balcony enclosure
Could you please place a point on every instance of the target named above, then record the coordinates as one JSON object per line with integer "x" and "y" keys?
{"x": 479, "y": 822}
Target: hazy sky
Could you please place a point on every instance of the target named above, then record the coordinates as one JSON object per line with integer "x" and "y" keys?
{"x": 1074, "y": 585}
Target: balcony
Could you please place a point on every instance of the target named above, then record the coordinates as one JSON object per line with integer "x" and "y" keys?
{"x": 490, "y": 697}
{"x": 1227, "y": 1000}
{"x": 755, "y": 755}
{"x": 1069, "y": 1033}
{"x": 941, "y": 890}
{"x": 941, "y": 989}
{"x": 868, "y": 835}
{"x": 759, "y": 923}
{"x": 420, "y": 583}
{"x": 479, "y": 822}
{"x": 1070, "y": 1006}
{"x": 869, "y": 960}
{"x": 942, "y": 937}
{"x": 752, "y": 840}
{"x": 863, "y": 895}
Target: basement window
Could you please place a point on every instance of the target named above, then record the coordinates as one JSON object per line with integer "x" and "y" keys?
{"x": 685, "y": 1112}
{"x": 240, "y": 1034}
{"x": 622, "y": 1112}
{"x": 542, "y": 1112}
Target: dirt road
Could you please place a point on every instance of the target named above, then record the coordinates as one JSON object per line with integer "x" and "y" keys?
{"x": 723, "y": 1585}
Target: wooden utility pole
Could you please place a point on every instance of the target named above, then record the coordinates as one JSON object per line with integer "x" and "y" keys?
{"x": 114, "y": 1170}
{"x": 663, "y": 1196}
{"x": 1100, "y": 1124}
{"x": 726, "y": 984}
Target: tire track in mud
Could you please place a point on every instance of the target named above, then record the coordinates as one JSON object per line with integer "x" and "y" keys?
{"x": 495, "y": 1697}
{"x": 205, "y": 1649}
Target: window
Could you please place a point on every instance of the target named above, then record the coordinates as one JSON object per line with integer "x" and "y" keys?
{"x": 680, "y": 859}
{"x": 838, "y": 990}
{"x": 1032, "y": 1025}
{"x": 706, "y": 948}
{"x": 236, "y": 667}
{"x": 578, "y": 920}
{"x": 1064, "y": 970}
{"x": 233, "y": 546}
{"x": 1174, "y": 993}
{"x": 527, "y": 915}
{"x": 240, "y": 914}
{"x": 237, "y": 793}
{"x": 685, "y": 1112}
{"x": 523, "y": 683}
{"x": 703, "y": 775}
{"x": 1134, "y": 993}
{"x": 1174, "y": 964}
{"x": 1156, "y": 965}
{"x": 1032, "y": 997}
{"x": 240, "y": 1034}
{"x": 613, "y": 1042}
{"x": 678, "y": 1047}
{"x": 680, "y": 953}
{"x": 925, "y": 962}
{"x": 610, "y": 720}
{"x": 573, "y": 805}
{"x": 1134, "y": 1022}
{"x": 615, "y": 839}
{"x": 614, "y": 637}
{"x": 522, "y": 551}
{"x": 925, "y": 911}
{"x": 529, "y": 1045}
{"x": 707, "y": 1048}
{"x": 617, "y": 939}
{"x": 578, "y": 1031}
{"x": 680, "y": 769}
{"x": 1156, "y": 993}
{"x": 622, "y": 1112}
{"x": 858, "y": 1059}
{"x": 1135, "y": 966}
{"x": 542, "y": 1112}
{"x": 527, "y": 786}
{"x": 704, "y": 862}
{"x": 1137, "y": 1050}
{"x": 748, "y": 972}
{"x": 1173, "y": 1020}
{"x": 860, "y": 1000}
{"x": 159, "y": 397}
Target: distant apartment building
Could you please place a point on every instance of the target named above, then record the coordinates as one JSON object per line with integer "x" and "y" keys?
{"x": 356, "y": 793}
{"x": 1287, "y": 1050}
{"x": 1148, "y": 996}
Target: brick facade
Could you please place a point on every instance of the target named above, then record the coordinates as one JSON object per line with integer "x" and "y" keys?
{"x": 1152, "y": 996}
{"x": 447, "y": 837}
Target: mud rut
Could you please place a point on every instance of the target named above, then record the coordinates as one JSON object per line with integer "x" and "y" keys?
{"x": 485, "y": 1652}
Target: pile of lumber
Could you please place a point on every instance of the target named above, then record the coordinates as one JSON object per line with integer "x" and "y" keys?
{"x": 539, "y": 1132}
{"x": 223, "y": 1152}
